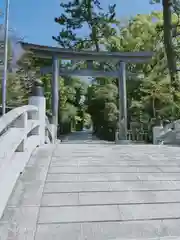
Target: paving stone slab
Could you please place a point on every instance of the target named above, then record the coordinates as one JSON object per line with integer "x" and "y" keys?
{"x": 112, "y": 160}
{"x": 109, "y": 198}
{"x": 92, "y": 177}
{"x": 88, "y": 160}
{"x": 125, "y": 230}
{"x": 58, "y": 231}
{"x": 58, "y": 162}
{"x": 87, "y": 169}
{"x": 144, "y": 186}
{"x": 170, "y": 169}
{"x": 149, "y": 211}
{"x": 128, "y": 197}
{"x": 110, "y": 186}
{"x": 60, "y": 199}
{"x": 159, "y": 176}
{"x": 83, "y": 163}
{"x": 77, "y": 187}
{"x": 78, "y": 214}
{"x": 137, "y": 230}
{"x": 59, "y": 153}
{"x": 57, "y": 177}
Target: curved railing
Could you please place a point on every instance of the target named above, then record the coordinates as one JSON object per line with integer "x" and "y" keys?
{"x": 21, "y": 131}
{"x": 16, "y": 127}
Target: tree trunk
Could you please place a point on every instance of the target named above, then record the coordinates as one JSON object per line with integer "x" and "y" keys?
{"x": 171, "y": 57}
{"x": 153, "y": 106}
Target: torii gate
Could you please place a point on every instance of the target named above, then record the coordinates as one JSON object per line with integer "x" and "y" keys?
{"x": 121, "y": 58}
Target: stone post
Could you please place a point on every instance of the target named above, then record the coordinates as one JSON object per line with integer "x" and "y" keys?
{"x": 156, "y": 133}
{"x": 37, "y": 99}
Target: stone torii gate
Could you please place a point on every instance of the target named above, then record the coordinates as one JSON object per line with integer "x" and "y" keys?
{"x": 117, "y": 58}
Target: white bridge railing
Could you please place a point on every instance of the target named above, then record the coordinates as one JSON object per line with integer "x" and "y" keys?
{"x": 21, "y": 131}
{"x": 50, "y": 131}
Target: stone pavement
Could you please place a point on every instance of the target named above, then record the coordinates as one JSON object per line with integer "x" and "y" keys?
{"x": 96, "y": 192}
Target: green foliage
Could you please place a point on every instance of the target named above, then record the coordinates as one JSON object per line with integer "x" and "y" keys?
{"x": 86, "y": 13}
{"x": 102, "y": 107}
{"x": 170, "y": 26}
{"x": 70, "y": 92}
{"x": 16, "y": 93}
{"x": 87, "y": 120}
{"x": 149, "y": 99}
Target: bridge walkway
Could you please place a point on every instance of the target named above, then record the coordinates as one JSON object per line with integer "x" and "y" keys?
{"x": 85, "y": 190}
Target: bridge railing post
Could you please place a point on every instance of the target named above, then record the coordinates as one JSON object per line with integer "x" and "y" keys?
{"x": 21, "y": 122}
{"x": 53, "y": 130}
{"x": 37, "y": 99}
{"x": 157, "y": 130}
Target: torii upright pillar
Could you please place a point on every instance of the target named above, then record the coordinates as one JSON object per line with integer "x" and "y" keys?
{"x": 122, "y": 102}
{"x": 55, "y": 91}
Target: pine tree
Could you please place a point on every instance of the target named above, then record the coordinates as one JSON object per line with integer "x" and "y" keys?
{"x": 85, "y": 14}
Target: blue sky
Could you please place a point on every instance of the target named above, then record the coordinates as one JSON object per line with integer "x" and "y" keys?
{"x": 34, "y": 19}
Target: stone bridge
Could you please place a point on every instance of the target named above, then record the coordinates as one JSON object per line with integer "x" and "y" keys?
{"x": 83, "y": 188}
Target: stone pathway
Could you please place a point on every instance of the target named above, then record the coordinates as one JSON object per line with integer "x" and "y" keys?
{"x": 96, "y": 192}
